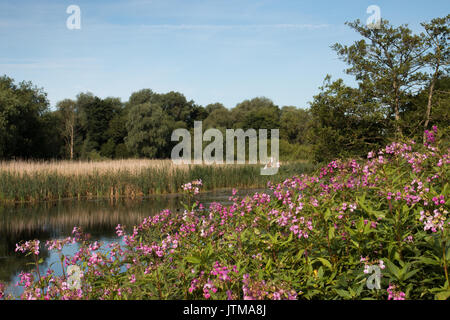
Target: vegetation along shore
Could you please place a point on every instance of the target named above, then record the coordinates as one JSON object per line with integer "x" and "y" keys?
{"x": 32, "y": 181}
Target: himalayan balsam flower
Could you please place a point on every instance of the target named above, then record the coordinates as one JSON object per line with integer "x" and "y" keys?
{"x": 29, "y": 246}
{"x": 193, "y": 187}
{"x": 394, "y": 293}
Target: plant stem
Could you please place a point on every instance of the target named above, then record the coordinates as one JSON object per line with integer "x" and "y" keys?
{"x": 444, "y": 258}
{"x": 158, "y": 283}
{"x": 37, "y": 267}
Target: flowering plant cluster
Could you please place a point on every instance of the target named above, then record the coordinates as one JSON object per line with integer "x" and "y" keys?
{"x": 193, "y": 187}
{"x": 309, "y": 237}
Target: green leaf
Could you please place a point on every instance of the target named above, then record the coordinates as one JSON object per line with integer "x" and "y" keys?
{"x": 192, "y": 259}
{"x": 379, "y": 214}
{"x": 269, "y": 265}
{"x": 393, "y": 269}
{"x": 356, "y": 244}
{"x": 291, "y": 235}
{"x": 300, "y": 253}
{"x": 331, "y": 233}
{"x": 443, "y": 295}
{"x": 326, "y": 263}
{"x": 327, "y": 214}
{"x": 429, "y": 261}
{"x": 343, "y": 294}
{"x": 410, "y": 274}
{"x": 320, "y": 273}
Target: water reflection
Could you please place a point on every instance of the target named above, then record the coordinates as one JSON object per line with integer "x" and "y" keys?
{"x": 57, "y": 219}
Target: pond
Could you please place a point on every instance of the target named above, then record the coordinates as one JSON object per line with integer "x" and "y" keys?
{"x": 56, "y": 220}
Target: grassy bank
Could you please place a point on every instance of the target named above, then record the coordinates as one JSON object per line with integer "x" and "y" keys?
{"x": 23, "y": 181}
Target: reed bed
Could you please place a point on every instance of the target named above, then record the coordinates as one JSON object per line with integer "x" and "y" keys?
{"x": 33, "y": 181}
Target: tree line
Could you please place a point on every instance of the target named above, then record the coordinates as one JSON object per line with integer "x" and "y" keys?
{"x": 403, "y": 88}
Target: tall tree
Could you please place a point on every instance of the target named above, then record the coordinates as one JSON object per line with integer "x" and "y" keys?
{"x": 149, "y": 130}
{"x": 438, "y": 33}
{"x": 219, "y": 117}
{"x": 22, "y": 107}
{"x": 67, "y": 109}
{"x": 346, "y": 122}
{"x": 294, "y": 124}
{"x": 387, "y": 62}
{"x": 95, "y": 115}
{"x": 257, "y": 113}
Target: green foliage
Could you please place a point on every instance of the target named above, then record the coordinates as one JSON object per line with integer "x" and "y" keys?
{"x": 312, "y": 237}
{"x": 23, "y": 117}
{"x": 257, "y": 113}
{"x": 295, "y": 152}
{"x": 344, "y": 122}
{"x": 149, "y": 129}
{"x": 121, "y": 152}
{"x": 218, "y": 117}
{"x": 387, "y": 63}
{"x": 398, "y": 73}
{"x": 294, "y": 125}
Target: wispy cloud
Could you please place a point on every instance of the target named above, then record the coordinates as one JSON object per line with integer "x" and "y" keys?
{"x": 47, "y": 64}
{"x": 229, "y": 27}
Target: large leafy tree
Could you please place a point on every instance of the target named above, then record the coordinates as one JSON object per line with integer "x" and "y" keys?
{"x": 180, "y": 109}
{"x": 257, "y": 113}
{"x": 95, "y": 116}
{"x": 117, "y": 131}
{"x": 22, "y": 127}
{"x": 345, "y": 122}
{"x": 149, "y": 130}
{"x": 294, "y": 124}
{"x": 218, "y": 117}
{"x": 67, "y": 111}
{"x": 438, "y": 57}
{"x": 387, "y": 62}
{"x": 440, "y": 115}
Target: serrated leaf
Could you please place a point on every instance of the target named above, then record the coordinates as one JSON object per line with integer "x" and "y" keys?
{"x": 343, "y": 294}
{"x": 444, "y": 295}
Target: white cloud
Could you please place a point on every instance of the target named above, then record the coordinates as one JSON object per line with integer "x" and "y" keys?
{"x": 225, "y": 27}
{"x": 47, "y": 64}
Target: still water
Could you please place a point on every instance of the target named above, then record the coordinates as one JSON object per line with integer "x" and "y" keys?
{"x": 56, "y": 220}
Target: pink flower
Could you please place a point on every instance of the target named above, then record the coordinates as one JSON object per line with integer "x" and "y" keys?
{"x": 394, "y": 293}
{"x": 2, "y": 290}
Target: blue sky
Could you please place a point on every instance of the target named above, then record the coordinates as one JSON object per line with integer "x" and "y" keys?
{"x": 210, "y": 50}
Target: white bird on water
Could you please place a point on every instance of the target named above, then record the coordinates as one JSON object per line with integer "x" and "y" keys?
{"x": 272, "y": 164}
